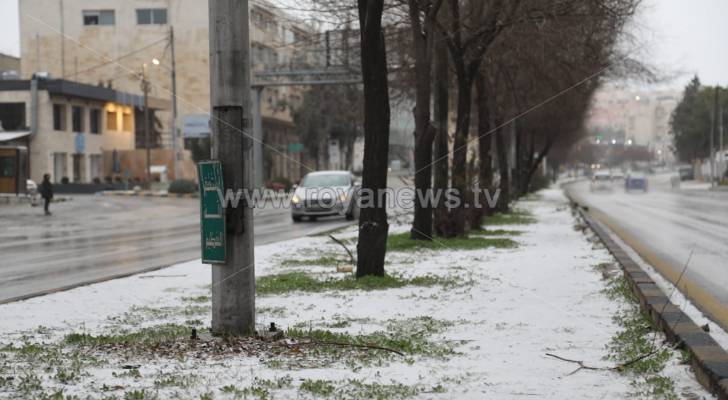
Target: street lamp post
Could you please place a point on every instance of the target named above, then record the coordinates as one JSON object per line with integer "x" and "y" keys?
{"x": 173, "y": 121}
{"x": 145, "y": 89}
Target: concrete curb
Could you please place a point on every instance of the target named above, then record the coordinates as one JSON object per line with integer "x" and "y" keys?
{"x": 708, "y": 360}
{"x": 131, "y": 193}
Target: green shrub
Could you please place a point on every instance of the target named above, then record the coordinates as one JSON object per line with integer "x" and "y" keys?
{"x": 182, "y": 186}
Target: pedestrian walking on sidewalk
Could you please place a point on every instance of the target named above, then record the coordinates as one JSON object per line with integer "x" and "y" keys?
{"x": 46, "y": 191}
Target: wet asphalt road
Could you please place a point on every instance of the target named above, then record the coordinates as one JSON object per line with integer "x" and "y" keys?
{"x": 92, "y": 238}
{"x": 665, "y": 226}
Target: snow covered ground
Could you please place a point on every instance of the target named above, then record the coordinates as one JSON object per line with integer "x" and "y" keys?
{"x": 480, "y": 329}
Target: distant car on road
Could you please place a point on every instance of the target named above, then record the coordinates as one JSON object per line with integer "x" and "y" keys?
{"x": 617, "y": 176}
{"x": 635, "y": 181}
{"x": 601, "y": 181}
{"x": 686, "y": 173}
{"x": 325, "y": 193}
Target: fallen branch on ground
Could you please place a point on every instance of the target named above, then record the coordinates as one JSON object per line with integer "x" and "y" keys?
{"x": 344, "y": 344}
{"x": 351, "y": 256}
{"x": 619, "y": 367}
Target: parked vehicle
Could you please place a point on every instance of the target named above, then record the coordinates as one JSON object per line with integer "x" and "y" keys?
{"x": 325, "y": 193}
{"x": 601, "y": 181}
{"x": 635, "y": 181}
{"x": 686, "y": 173}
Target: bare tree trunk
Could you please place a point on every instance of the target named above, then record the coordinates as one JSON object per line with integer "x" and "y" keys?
{"x": 373, "y": 226}
{"x": 441, "y": 100}
{"x": 422, "y": 224}
{"x": 460, "y": 150}
{"x": 423, "y": 40}
{"x": 533, "y": 167}
{"x": 485, "y": 140}
{"x": 505, "y": 181}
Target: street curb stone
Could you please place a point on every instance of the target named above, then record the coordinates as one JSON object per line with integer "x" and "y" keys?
{"x": 709, "y": 361}
{"x": 131, "y": 193}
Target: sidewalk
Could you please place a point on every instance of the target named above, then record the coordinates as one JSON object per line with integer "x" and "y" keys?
{"x": 499, "y": 315}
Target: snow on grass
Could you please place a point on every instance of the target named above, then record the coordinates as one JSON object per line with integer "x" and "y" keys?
{"x": 472, "y": 322}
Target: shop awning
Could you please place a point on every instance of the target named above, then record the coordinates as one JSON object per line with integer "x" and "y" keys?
{"x": 8, "y": 136}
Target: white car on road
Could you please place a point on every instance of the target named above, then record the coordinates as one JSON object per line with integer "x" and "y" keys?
{"x": 602, "y": 180}
{"x": 325, "y": 193}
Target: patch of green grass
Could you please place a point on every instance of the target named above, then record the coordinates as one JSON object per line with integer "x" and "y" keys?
{"x": 355, "y": 389}
{"x": 197, "y": 299}
{"x": 276, "y": 311}
{"x": 657, "y": 387}
{"x": 194, "y": 310}
{"x": 139, "y": 395}
{"x": 176, "y": 379}
{"x": 318, "y": 387}
{"x": 321, "y": 261}
{"x": 514, "y": 217}
{"x": 260, "y": 389}
{"x": 128, "y": 373}
{"x": 636, "y": 339}
{"x": 65, "y": 376}
{"x": 339, "y": 323}
{"x": 146, "y": 335}
{"x": 496, "y": 232}
{"x": 30, "y": 382}
{"x": 299, "y": 281}
{"x": 402, "y": 242}
{"x": 410, "y": 336}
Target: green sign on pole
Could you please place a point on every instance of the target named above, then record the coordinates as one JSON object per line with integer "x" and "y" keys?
{"x": 212, "y": 212}
{"x": 295, "y": 147}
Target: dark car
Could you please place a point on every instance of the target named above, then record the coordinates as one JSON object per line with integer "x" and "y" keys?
{"x": 686, "y": 173}
{"x": 635, "y": 181}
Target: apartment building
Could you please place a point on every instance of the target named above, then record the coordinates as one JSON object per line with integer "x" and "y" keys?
{"x": 71, "y": 130}
{"x": 9, "y": 64}
{"x": 108, "y": 42}
{"x": 635, "y": 117}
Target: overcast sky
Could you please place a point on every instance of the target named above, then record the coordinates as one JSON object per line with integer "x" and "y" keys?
{"x": 687, "y": 36}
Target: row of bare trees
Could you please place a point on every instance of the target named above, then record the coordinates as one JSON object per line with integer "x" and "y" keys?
{"x": 516, "y": 75}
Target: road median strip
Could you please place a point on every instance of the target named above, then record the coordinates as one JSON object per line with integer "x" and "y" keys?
{"x": 707, "y": 358}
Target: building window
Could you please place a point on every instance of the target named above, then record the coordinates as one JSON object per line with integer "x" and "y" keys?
{"x": 59, "y": 167}
{"x": 7, "y": 167}
{"x": 127, "y": 125}
{"x": 99, "y": 17}
{"x": 95, "y": 166}
{"x": 59, "y": 117}
{"x": 12, "y": 116}
{"x": 111, "y": 121}
{"x": 151, "y": 16}
{"x": 95, "y": 120}
{"x": 77, "y": 118}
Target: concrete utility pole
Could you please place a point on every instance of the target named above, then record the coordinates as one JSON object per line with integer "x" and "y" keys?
{"x": 233, "y": 283}
{"x": 175, "y": 145}
{"x": 713, "y": 123}
{"x": 258, "y": 136}
{"x": 145, "y": 89}
{"x": 720, "y": 128}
